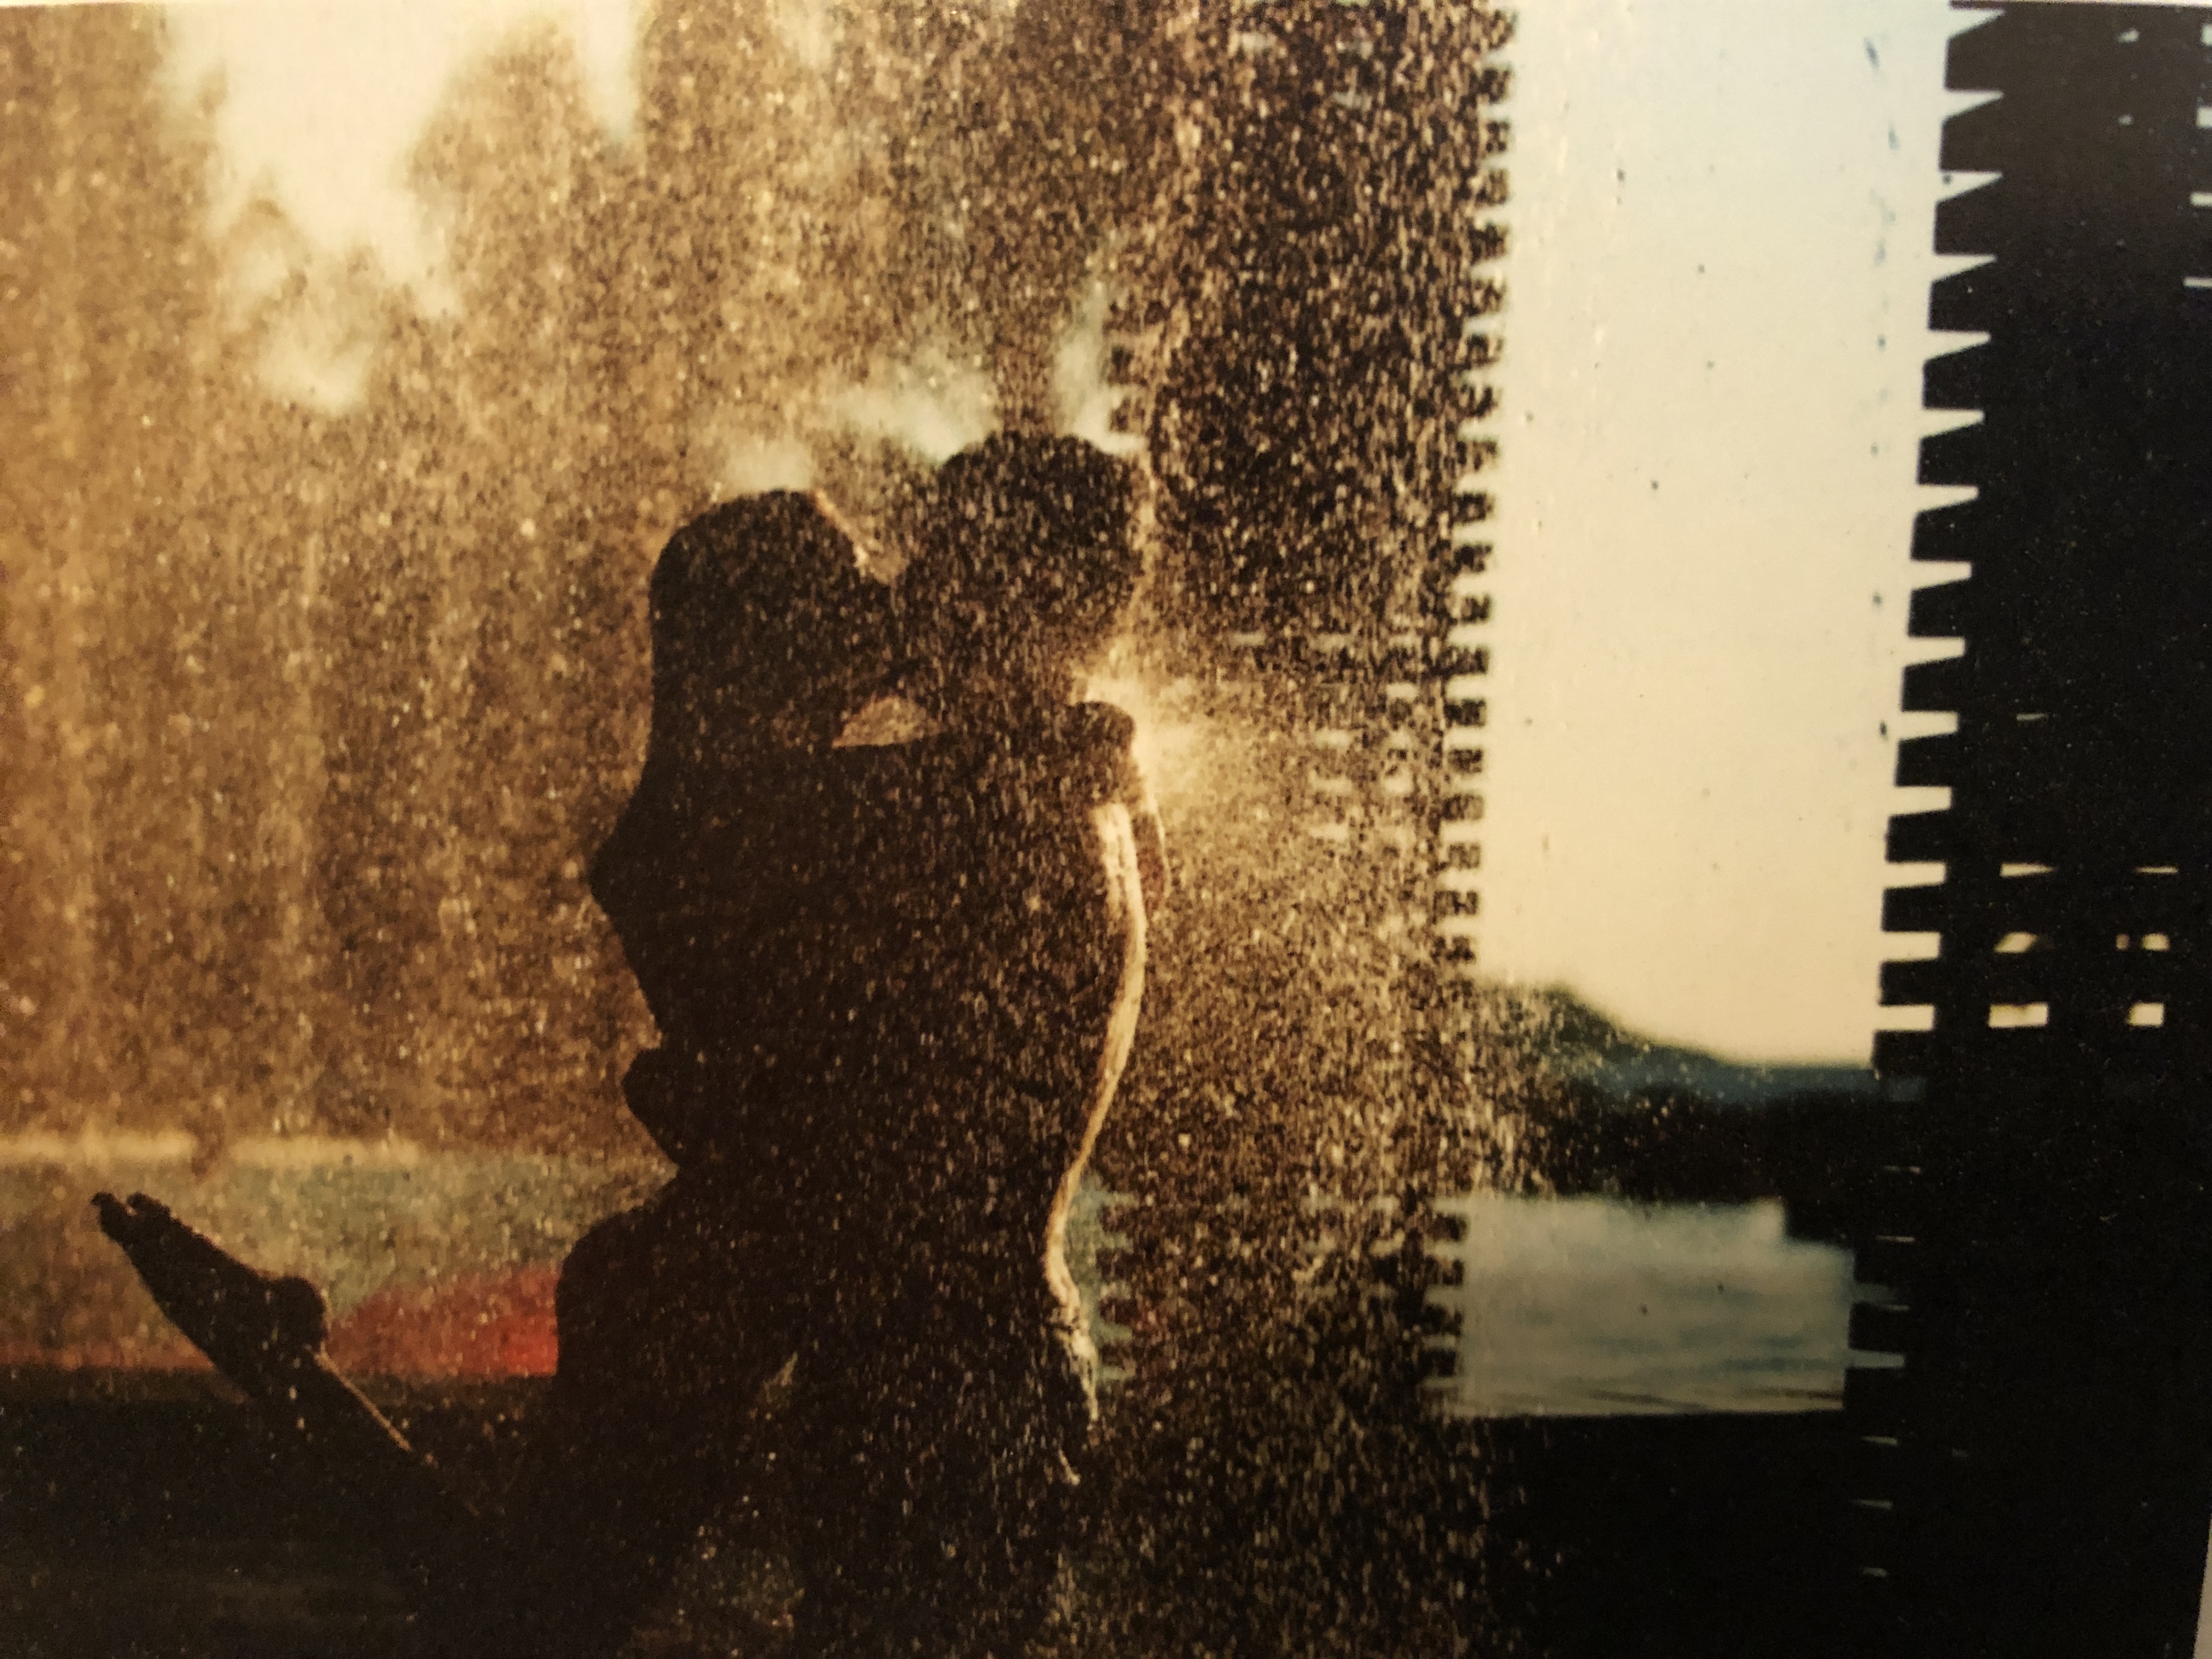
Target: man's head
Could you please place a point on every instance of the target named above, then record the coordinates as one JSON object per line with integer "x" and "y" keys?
{"x": 1028, "y": 558}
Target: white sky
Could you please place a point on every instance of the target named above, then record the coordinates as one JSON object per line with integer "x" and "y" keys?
{"x": 322, "y": 101}
{"x": 1722, "y": 220}
{"x": 1718, "y": 280}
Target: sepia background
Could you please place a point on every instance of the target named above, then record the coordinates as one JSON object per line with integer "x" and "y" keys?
{"x": 359, "y": 358}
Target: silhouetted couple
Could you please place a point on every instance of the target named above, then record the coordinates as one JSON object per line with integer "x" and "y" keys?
{"x": 883, "y": 884}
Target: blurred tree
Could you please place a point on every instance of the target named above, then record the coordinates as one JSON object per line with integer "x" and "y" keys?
{"x": 153, "y": 829}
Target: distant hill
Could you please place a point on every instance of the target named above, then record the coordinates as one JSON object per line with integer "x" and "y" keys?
{"x": 1657, "y": 1122}
{"x": 1575, "y": 1042}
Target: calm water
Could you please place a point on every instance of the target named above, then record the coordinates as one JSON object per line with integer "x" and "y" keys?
{"x": 443, "y": 1262}
{"x": 1592, "y": 1305}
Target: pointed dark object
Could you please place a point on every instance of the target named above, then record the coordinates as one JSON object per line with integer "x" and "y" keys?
{"x": 264, "y": 1332}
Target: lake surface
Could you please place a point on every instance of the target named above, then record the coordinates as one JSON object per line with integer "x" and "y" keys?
{"x": 442, "y": 1263}
{"x": 1590, "y": 1305}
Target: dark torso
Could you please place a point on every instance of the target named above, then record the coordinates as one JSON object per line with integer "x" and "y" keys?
{"x": 895, "y": 987}
{"x": 888, "y": 981}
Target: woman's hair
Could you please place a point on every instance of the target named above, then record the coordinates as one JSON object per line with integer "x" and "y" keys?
{"x": 1027, "y": 543}
{"x": 760, "y": 617}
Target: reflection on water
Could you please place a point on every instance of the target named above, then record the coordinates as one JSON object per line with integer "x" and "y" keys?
{"x": 1591, "y": 1305}
{"x": 441, "y": 1263}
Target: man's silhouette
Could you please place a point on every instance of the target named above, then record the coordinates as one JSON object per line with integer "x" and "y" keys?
{"x": 896, "y": 984}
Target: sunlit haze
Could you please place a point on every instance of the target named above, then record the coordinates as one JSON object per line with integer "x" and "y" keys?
{"x": 1718, "y": 280}
{"x": 329, "y": 147}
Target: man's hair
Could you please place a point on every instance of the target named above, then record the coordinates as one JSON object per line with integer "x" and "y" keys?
{"x": 1037, "y": 532}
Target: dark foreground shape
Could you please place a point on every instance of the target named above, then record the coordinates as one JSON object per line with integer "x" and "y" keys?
{"x": 264, "y": 1332}
{"x": 142, "y": 1518}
